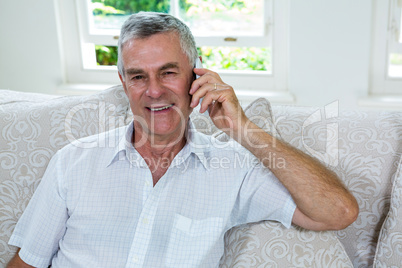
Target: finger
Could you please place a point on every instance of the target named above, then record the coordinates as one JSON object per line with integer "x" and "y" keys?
{"x": 207, "y": 76}
{"x": 215, "y": 96}
{"x": 200, "y": 71}
{"x": 201, "y": 92}
{"x": 209, "y": 107}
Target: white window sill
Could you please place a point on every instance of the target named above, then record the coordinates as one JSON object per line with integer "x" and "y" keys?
{"x": 274, "y": 97}
{"x": 385, "y": 102}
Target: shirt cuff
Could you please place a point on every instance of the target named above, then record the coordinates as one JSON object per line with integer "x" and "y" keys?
{"x": 27, "y": 256}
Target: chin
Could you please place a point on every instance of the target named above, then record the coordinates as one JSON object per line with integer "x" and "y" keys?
{"x": 167, "y": 129}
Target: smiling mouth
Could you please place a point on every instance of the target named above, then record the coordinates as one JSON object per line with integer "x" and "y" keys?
{"x": 160, "y": 108}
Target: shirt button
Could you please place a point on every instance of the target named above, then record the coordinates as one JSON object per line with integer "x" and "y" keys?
{"x": 145, "y": 221}
{"x": 135, "y": 259}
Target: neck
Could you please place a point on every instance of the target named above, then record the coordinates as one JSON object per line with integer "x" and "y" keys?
{"x": 164, "y": 149}
{"x": 158, "y": 153}
{"x": 155, "y": 146}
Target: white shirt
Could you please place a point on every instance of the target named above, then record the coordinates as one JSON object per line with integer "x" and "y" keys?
{"x": 96, "y": 205}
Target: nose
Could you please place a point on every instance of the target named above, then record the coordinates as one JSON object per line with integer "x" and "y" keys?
{"x": 155, "y": 89}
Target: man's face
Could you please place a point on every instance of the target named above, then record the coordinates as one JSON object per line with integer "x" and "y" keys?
{"x": 157, "y": 80}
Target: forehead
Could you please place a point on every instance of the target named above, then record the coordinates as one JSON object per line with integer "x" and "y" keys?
{"x": 158, "y": 45}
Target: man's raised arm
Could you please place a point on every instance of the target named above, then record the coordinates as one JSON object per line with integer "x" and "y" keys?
{"x": 323, "y": 202}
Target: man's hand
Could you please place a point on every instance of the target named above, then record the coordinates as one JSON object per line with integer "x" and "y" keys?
{"x": 323, "y": 203}
{"x": 219, "y": 99}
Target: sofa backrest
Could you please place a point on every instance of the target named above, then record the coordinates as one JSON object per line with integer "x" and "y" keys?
{"x": 32, "y": 128}
{"x": 363, "y": 148}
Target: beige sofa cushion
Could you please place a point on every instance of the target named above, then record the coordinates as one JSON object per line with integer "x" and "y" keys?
{"x": 389, "y": 247}
{"x": 269, "y": 244}
{"x": 259, "y": 112}
{"x": 9, "y": 96}
{"x": 365, "y": 158}
{"x": 33, "y": 128}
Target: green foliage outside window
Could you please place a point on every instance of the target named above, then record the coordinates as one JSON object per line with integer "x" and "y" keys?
{"x": 396, "y": 59}
{"x": 134, "y": 6}
{"x": 236, "y": 58}
{"x": 106, "y": 55}
{"x": 105, "y": 7}
{"x": 218, "y": 58}
{"x": 99, "y": 9}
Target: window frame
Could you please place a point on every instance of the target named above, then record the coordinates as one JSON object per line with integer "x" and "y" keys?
{"x": 383, "y": 43}
{"x": 77, "y": 43}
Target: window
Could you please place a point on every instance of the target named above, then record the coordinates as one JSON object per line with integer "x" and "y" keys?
{"x": 395, "y": 40}
{"x": 386, "y": 69}
{"x": 241, "y": 39}
{"x": 210, "y": 21}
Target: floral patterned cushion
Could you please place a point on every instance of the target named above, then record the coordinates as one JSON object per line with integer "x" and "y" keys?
{"x": 33, "y": 127}
{"x": 389, "y": 246}
{"x": 259, "y": 111}
{"x": 362, "y": 148}
{"x": 269, "y": 244}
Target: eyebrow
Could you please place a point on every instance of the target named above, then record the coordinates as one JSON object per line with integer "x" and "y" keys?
{"x": 169, "y": 65}
{"x": 132, "y": 71}
{"x": 166, "y": 66}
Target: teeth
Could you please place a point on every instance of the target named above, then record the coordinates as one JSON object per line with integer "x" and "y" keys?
{"x": 161, "y": 108}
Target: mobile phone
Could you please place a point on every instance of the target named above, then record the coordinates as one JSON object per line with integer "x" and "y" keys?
{"x": 198, "y": 64}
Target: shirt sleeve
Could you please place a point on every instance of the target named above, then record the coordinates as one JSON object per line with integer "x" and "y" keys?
{"x": 263, "y": 197}
{"x": 43, "y": 222}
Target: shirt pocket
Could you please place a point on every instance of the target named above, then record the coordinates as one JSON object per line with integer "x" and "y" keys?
{"x": 191, "y": 240}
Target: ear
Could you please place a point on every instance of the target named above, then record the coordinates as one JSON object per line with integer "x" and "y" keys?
{"x": 123, "y": 83}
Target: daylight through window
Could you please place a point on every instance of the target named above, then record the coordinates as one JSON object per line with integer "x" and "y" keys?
{"x": 231, "y": 34}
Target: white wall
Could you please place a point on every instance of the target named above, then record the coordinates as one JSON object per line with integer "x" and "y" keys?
{"x": 329, "y": 49}
{"x": 29, "y": 48}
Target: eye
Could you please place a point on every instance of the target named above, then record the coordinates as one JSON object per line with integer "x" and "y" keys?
{"x": 137, "y": 77}
{"x": 168, "y": 73}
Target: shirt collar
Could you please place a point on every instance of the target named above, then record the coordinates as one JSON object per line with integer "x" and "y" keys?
{"x": 197, "y": 144}
{"x": 124, "y": 146}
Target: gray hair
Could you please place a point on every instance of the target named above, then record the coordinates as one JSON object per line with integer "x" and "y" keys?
{"x": 145, "y": 24}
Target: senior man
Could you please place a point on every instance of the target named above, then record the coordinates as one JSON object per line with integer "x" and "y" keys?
{"x": 156, "y": 200}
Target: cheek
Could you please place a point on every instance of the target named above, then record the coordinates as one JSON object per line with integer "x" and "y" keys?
{"x": 134, "y": 86}
{"x": 179, "y": 87}
{"x": 185, "y": 87}
{"x": 133, "y": 96}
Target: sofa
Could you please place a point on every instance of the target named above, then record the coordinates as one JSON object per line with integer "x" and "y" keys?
{"x": 363, "y": 147}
